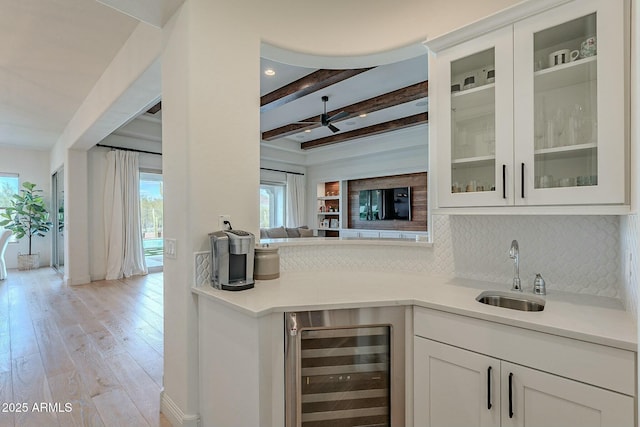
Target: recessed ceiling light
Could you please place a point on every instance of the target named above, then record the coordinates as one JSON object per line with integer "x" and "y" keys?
{"x": 363, "y": 115}
{"x": 307, "y": 130}
{"x": 270, "y": 72}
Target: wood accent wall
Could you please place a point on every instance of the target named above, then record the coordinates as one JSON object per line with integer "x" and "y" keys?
{"x": 331, "y": 189}
{"x": 418, "y": 184}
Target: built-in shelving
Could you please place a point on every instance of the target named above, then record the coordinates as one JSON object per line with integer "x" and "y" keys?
{"x": 328, "y": 208}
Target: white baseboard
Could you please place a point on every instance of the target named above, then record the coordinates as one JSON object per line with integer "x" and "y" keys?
{"x": 98, "y": 277}
{"x": 77, "y": 280}
{"x": 174, "y": 414}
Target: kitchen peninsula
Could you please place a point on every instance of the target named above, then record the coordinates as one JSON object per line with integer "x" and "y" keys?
{"x": 249, "y": 367}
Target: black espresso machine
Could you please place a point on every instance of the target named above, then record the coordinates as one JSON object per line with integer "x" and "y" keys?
{"x": 232, "y": 259}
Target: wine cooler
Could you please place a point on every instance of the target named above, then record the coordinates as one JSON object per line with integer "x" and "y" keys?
{"x": 345, "y": 368}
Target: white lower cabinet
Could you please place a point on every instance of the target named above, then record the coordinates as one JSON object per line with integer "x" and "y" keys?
{"x": 454, "y": 387}
{"x": 461, "y": 387}
{"x": 542, "y": 399}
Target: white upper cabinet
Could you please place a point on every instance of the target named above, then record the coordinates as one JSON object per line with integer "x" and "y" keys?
{"x": 475, "y": 121}
{"x": 535, "y": 113}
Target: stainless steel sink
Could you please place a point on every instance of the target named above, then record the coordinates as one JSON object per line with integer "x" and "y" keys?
{"x": 511, "y": 300}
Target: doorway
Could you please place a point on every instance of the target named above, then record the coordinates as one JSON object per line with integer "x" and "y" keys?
{"x": 57, "y": 219}
{"x": 151, "y": 197}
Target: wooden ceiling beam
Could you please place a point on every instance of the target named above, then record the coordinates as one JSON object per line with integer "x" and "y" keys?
{"x": 376, "y": 129}
{"x": 155, "y": 108}
{"x": 387, "y": 100}
{"x": 304, "y": 86}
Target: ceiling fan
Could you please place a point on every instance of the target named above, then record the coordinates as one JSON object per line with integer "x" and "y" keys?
{"x": 326, "y": 121}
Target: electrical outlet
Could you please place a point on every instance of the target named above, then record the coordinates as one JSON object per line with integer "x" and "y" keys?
{"x": 170, "y": 248}
{"x": 221, "y": 220}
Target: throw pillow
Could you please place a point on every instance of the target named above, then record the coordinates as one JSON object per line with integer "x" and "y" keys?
{"x": 305, "y": 232}
{"x": 277, "y": 233}
{"x": 292, "y": 232}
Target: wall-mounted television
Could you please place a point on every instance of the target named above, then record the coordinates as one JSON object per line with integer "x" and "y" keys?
{"x": 385, "y": 204}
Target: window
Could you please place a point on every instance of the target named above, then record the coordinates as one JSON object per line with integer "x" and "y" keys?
{"x": 9, "y": 185}
{"x": 151, "y": 218}
{"x": 272, "y": 205}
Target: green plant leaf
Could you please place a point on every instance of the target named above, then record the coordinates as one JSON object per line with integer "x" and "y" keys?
{"x": 27, "y": 215}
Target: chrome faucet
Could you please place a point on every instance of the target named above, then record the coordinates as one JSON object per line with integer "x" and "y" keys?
{"x": 514, "y": 254}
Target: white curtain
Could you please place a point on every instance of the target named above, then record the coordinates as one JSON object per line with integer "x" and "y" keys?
{"x": 123, "y": 231}
{"x": 295, "y": 200}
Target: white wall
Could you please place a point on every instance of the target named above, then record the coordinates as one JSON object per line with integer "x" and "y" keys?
{"x": 97, "y": 166}
{"x": 32, "y": 166}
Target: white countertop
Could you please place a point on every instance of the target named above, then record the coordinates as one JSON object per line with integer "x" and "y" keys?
{"x": 345, "y": 241}
{"x": 594, "y": 319}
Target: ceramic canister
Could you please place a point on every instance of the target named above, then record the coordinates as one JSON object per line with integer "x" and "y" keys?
{"x": 266, "y": 263}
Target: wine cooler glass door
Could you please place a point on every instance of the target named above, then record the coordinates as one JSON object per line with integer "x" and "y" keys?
{"x": 340, "y": 374}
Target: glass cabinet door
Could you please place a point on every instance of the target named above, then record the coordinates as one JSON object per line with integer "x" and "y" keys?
{"x": 473, "y": 123}
{"x": 565, "y": 151}
{"x": 477, "y": 122}
{"x": 565, "y": 105}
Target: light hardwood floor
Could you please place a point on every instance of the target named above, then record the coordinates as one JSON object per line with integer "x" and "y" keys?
{"x": 91, "y": 354}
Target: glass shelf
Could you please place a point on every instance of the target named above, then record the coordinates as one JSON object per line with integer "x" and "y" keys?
{"x": 565, "y": 151}
{"x": 470, "y": 162}
{"x": 572, "y": 73}
{"x": 476, "y": 97}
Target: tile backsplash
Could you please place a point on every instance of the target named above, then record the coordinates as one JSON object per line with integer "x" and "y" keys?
{"x": 573, "y": 253}
{"x": 629, "y": 242}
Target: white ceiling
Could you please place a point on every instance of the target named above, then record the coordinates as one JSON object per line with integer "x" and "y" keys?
{"x": 53, "y": 52}
{"x": 51, "y": 55}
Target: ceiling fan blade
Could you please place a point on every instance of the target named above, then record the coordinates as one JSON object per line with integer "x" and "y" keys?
{"x": 333, "y": 128}
{"x": 340, "y": 115}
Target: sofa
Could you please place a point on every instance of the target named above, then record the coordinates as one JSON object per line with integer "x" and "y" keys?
{"x": 285, "y": 232}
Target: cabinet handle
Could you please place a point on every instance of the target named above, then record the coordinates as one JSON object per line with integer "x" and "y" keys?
{"x": 510, "y": 395}
{"x": 504, "y": 181}
{"x": 489, "y": 387}
{"x": 522, "y": 179}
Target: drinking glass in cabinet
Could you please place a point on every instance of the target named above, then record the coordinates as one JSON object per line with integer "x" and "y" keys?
{"x": 565, "y": 99}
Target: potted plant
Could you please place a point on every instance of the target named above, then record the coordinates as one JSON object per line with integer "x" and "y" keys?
{"x": 27, "y": 215}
